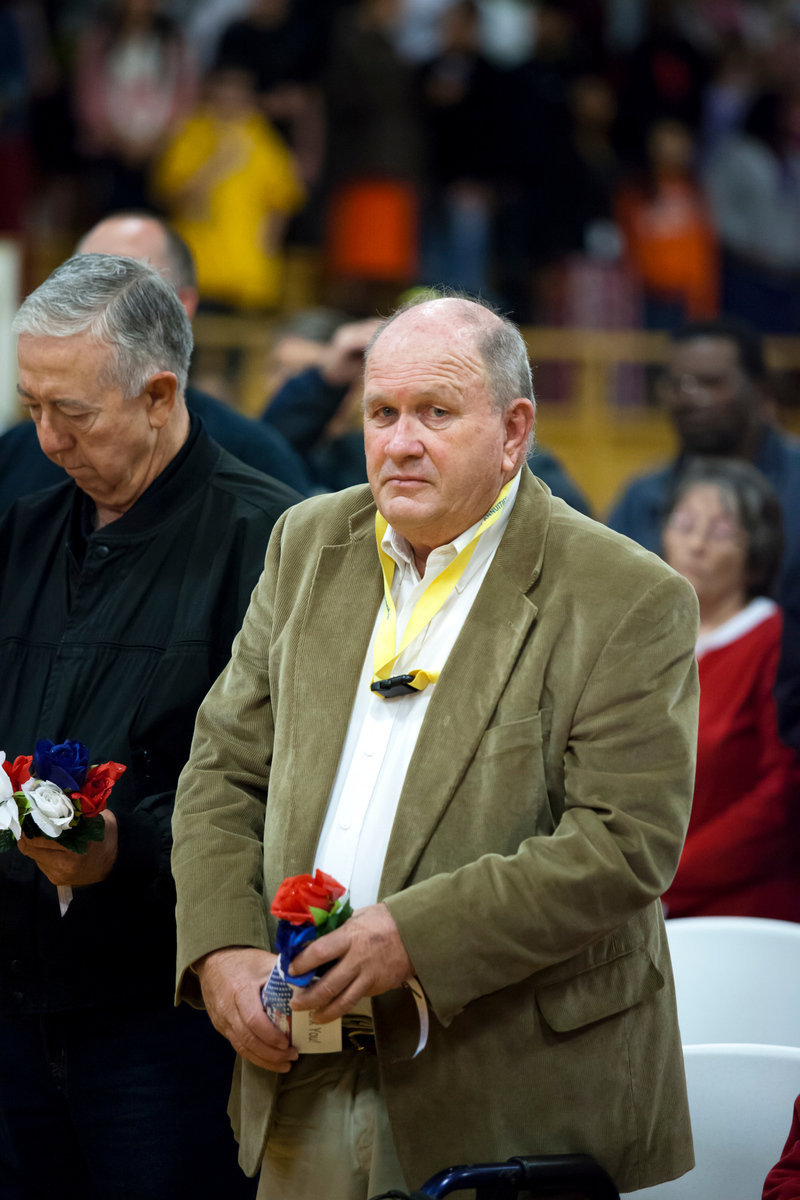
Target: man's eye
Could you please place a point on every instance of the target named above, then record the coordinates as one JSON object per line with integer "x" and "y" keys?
{"x": 438, "y": 412}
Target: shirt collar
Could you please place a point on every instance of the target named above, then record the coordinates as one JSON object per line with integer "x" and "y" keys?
{"x": 399, "y": 549}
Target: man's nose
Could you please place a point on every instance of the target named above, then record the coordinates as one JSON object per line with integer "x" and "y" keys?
{"x": 53, "y": 437}
{"x": 405, "y": 441}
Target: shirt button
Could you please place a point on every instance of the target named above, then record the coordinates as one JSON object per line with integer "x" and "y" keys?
{"x": 103, "y": 551}
{"x": 368, "y": 752}
{"x": 344, "y": 823}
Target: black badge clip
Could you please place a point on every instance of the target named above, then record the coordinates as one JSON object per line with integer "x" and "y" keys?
{"x": 397, "y": 685}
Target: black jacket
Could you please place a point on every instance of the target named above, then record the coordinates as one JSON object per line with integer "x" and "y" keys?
{"x": 113, "y": 639}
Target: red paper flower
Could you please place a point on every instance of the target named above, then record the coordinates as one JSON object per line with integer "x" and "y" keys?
{"x": 96, "y": 789}
{"x": 18, "y": 771}
{"x": 298, "y": 894}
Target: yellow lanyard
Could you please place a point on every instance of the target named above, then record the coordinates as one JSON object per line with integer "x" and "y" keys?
{"x": 385, "y": 650}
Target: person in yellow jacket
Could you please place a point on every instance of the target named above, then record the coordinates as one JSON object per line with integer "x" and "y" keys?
{"x": 229, "y": 183}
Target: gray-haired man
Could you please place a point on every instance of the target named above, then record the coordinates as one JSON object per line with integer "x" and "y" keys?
{"x": 121, "y": 591}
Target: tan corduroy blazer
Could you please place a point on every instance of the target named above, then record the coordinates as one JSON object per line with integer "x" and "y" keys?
{"x": 541, "y": 818}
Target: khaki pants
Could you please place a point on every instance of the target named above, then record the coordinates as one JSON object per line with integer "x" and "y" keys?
{"x": 330, "y": 1137}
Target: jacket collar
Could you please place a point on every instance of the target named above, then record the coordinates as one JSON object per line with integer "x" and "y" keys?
{"x": 175, "y": 487}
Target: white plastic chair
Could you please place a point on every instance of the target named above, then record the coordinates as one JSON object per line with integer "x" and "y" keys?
{"x": 737, "y": 979}
{"x": 741, "y": 1099}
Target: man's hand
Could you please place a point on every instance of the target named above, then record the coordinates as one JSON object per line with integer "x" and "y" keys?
{"x": 231, "y": 981}
{"x": 65, "y": 867}
{"x": 371, "y": 959}
{"x": 343, "y": 357}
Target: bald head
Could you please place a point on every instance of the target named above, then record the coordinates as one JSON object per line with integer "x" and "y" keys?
{"x": 470, "y": 325}
{"x": 134, "y": 235}
{"x": 446, "y": 426}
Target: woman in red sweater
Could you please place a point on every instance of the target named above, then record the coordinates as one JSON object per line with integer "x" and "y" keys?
{"x": 723, "y": 533}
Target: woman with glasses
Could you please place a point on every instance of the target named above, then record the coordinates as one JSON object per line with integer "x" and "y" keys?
{"x": 722, "y": 531}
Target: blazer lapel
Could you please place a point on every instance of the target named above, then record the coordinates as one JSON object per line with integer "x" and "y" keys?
{"x": 340, "y": 614}
{"x": 471, "y": 683}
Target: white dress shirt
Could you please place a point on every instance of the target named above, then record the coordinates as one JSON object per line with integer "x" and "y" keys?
{"x": 382, "y": 733}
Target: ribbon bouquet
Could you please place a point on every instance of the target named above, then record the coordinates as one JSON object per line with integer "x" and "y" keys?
{"x": 55, "y": 793}
{"x": 307, "y": 907}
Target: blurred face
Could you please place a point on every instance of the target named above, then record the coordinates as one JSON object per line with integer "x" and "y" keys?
{"x": 230, "y": 94}
{"x": 438, "y": 453}
{"x": 714, "y": 405}
{"x": 103, "y": 439}
{"x": 670, "y": 147}
{"x": 704, "y": 541}
{"x": 593, "y": 102}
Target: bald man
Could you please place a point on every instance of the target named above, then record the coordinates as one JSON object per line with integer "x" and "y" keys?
{"x": 23, "y": 467}
{"x": 497, "y": 762}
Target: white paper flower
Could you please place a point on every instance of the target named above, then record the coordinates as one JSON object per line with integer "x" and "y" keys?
{"x": 6, "y": 789}
{"x": 9, "y": 809}
{"x": 51, "y": 808}
{"x": 9, "y": 816}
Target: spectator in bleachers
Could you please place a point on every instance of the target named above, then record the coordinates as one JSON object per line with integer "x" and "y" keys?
{"x": 664, "y": 76}
{"x": 753, "y": 180}
{"x": 729, "y": 93}
{"x": 670, "y": 242}
{"x": 591, "y": 168}
{"x": 458, "y": 94}
{"x": 317, "y": 409}
{"x": 280, "y": 44}
{"x": 535, "y": 108}
{"x": 590, "y": 288}
{"x": 717, "y": 397}
{"x": 133, "y": 82}
{"x": 373, "y": 160}
{"x": 228, "y": 181}
{"x": 723, "y": 533}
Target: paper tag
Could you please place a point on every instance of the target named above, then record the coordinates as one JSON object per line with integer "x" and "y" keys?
{"x": 415, "y": 987}
{"x": 300, "y": 1027}
{"x": 310, "y": 1037}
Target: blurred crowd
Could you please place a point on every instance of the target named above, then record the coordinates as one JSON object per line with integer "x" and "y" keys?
{"x": 583, "y": 162}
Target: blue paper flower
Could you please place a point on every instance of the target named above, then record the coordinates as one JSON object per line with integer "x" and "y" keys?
{"x": 64, "y": 763}
{"x": 289, "y": 941}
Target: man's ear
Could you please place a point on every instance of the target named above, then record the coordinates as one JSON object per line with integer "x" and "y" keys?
{"x": 161, "y": 390}
{"x": 519, "y": 417}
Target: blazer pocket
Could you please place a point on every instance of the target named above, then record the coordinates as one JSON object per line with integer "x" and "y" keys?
{"x": 526, "y": 734}
{"x": 603, "y": 991}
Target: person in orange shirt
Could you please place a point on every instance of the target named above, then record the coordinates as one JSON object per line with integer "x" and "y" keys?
{"x": 670, "y": 241}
